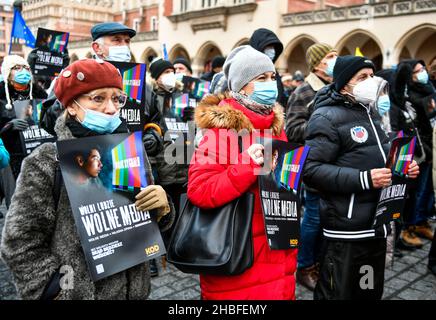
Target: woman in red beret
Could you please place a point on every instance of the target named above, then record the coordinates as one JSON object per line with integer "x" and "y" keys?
{"x": 40, "y": 236}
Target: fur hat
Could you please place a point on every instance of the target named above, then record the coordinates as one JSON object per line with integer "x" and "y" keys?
{"x": 8, "y": 63}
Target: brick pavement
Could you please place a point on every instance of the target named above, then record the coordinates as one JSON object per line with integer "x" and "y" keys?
{"x": 408, "y": 279}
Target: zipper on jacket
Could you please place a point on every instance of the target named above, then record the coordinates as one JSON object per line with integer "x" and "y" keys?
{"x": 376, "y": 134}
{"x": 351, "y": 206}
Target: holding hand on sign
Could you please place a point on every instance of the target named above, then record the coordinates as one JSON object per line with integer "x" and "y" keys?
{"x": 413, "y": 172}
{"x": 256, "y": 153}
{"x": 153, "y": 197}
{"x": 381, "y": 177}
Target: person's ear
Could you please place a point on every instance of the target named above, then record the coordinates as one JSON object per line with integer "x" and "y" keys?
{"x": 96, "y": 48}
{"x": 71, "y": 110}
{"x": 80, "y": 161}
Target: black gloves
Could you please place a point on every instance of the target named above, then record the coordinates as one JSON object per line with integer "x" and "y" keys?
{"x": 18, "y": 124}
{"x": 188, "y": 114}
{"x": 153, "y": 142}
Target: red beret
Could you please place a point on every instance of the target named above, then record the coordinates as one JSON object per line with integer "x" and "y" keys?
{"x": 84, "y": 76}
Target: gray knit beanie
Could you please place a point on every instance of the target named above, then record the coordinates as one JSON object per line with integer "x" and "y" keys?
{"x": 243, "y": 65}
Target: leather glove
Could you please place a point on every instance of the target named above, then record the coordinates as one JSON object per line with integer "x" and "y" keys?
{"x": 18, "y": 124}
{"x": 153, "y": 197}
{"x": 153, "y": 142}
{"x": 188, "y": 114}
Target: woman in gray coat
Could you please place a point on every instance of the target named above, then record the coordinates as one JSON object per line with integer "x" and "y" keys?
{"x": 40, "y": 243}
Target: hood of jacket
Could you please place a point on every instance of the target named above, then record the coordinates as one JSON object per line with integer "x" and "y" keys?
{"x": 403, "y": 80}
{"x": 328, "y": 96}
{"x": 223, "y": 112}
{"x": 262, "y": 38}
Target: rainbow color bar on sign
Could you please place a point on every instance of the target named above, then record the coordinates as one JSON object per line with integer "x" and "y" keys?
{"x": 133, "y": 81}
{"x": 405, "y": 157}
{"x": 202, "y": 88}
{"x": 60, "y": 42}
{"x": 38, "y": 111}
{"x": 292, "y": 168}
{"x": 180, "y": 103}
{"x": 129, "y": 177}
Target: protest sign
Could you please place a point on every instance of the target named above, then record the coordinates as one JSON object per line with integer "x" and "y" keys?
{"x": 103, "y": 174}
{"x": 50, "y": 47}
{"x": 133, "y": 75}
{"x": 280, "y": 190}
{"x": 392, "y": 199}
{"x": 33, "y": 136}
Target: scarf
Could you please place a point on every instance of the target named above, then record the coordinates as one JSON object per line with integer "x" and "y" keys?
{"x": 80, "y": 131}
{"x": 252, "y": 105}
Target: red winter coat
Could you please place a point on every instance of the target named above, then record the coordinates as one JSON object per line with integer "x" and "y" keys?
{"x": 212, "y": 185}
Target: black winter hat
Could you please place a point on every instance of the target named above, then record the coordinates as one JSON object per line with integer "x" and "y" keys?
{"x": 183, "y": 61}
{"x": 261, "y": 38}
{"x": 346, "y": 67}
{"x": 218, "y": 62}
{"x": 159, "y": 66}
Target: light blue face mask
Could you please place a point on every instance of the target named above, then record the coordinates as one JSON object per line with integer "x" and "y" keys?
{"x": 100, "y": 122}
{"x": 423, "y": 77}
{"x": 330, "y": 67}
{"x": 22, "y": 77}
{"x": 383, "y": 105}
{"x": 265, "y": 92}
{"x": 119, "y": 54}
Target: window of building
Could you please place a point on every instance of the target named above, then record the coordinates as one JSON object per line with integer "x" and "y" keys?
{"x": 183, "y": 5}
{"x": 136, "y": 25}
{"x": 153, "y": 23}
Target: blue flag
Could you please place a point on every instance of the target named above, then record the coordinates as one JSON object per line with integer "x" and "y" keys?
{"x": 21, "y": 31}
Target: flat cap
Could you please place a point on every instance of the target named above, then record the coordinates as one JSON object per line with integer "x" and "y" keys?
{"x": 110, "y": 28}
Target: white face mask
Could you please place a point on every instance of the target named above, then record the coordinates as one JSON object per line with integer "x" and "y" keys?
{"x": 119, "y": 54}
{"x": 365, "y": 92}
{"x": 271, "y": 53}
{"x": 169, "y": 81}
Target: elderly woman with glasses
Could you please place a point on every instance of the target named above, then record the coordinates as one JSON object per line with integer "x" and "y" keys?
{"x": 40, "y": 235}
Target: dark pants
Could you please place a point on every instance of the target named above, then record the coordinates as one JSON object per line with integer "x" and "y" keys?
{"x": 424, "y": 195}
{"x": 352, "y": 270}
{"x": 310, "y": 231}
{"x": 432, "y": 254}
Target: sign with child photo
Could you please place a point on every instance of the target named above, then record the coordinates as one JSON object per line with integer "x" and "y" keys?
{"x": 103, "y": 174}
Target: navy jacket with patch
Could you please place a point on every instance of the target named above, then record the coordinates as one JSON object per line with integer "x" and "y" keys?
{"x": 346, "y": 142}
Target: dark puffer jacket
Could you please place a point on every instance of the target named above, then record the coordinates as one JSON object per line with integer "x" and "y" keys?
{"x": 410, "y": 113}
{"x": 262, "y": 38}
{"x": 346, "y": 142}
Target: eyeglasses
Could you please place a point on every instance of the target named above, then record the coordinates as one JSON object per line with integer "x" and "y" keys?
{"x": 419, "y": 70}
{"x": 19, "y": 68}
{"x": 101, "y": 101}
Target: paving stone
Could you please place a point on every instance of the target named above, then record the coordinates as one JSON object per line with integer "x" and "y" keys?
{"x": 408, "y": 279}
{"x": 409, "y": 276}
{"x": 161, "y": 292}
{"x": 188, "y": 294}
{"x": 424, "y": 285}
{"x": 388, "y": 292}
{"x": 396, "y": 283}
{"x": 411, "y": 294}
{"x": 398, "y": 266}
{"x": 389, "y": 273}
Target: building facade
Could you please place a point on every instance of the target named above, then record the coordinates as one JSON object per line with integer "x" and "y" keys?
{"x": 385, "y": 31}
